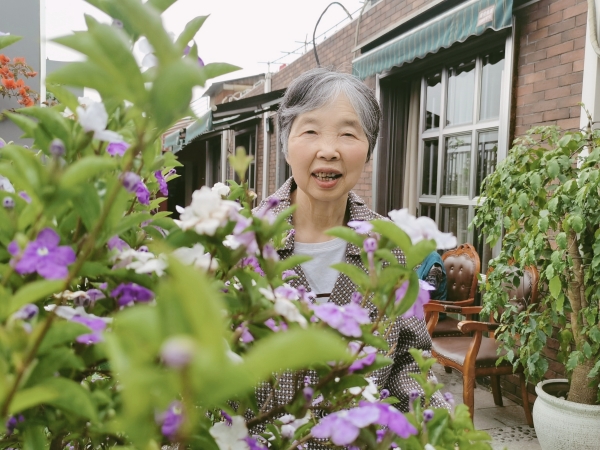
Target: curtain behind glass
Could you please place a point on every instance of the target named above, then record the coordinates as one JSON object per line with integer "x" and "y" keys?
{"x": 410, "y": 191}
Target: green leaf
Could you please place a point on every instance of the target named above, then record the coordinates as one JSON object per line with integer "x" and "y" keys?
{"x": 27, "y": 398}
{"x": 84, "y": 170}
{"x": 240, "y": 162}
{"x": 391, "y": 231}
{"x": 5, "y": 41}
{"x": 34, "y": 438}
{"x": 577, "y": 223}
{"x": 86, "y": 74}
{"x": 553, "y": 168}
{"x": 437, "y": 425}
{"x": 24, "y": 123}
{"x": 60, "y": 333}
{"x": 192, "y": 27}
{"x": 161, "y": 5}
{"x": 555, "y": 286}
{"x": 32, "y": 292}
{"x": 64, "y": 96}
{"x": 72, "y": 397}
{"x": 561, "y": 240}
{"x": 355, "y": 273}
{"x": 348, "y": 235}
{"x": 132, "y": 220}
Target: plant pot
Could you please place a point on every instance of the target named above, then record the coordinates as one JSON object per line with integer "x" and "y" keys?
{"x": 561, "y": 424}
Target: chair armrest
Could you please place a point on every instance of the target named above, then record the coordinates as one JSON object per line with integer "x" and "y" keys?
{"x": 467, "y": 326}
{"x": 467, "y": 302}
{"x": 431, "y": 307}
{"x": 464, "y": 310}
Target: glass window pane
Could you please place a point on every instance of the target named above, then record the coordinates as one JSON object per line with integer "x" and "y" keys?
{"x": 491, "y": 84}
{"x": 427, "y": 211}
{"x": 457, "y": 164}
{"x": 430, "y": 162}
{"x": 433, "y": 98}
{"x": 455, "y": 220}
{"x": 483, "y": 250}
{"x": 461, "y": 89}
{"x": 487, "y": 155}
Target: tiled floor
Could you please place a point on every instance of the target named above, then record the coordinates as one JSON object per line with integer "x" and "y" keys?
{"x": 506, "y": 424}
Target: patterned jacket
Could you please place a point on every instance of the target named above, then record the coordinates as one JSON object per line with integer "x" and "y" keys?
{"x": 405, "y": 333}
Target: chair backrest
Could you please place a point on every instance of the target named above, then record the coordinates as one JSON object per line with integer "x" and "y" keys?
{"x": 527, "y": 291}
{"x": 462, "y": 268}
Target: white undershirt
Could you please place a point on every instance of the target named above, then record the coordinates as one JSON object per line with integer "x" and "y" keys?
{"x": 320, "y": 276}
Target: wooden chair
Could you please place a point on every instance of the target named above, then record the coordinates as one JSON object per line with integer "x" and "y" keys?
{"x": 476, "y": 355}
{"x": 462, "y": 269}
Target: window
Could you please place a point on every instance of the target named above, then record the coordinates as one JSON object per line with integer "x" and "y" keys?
{"x": 247, "y": 139}
{"x": 458, "y": 142}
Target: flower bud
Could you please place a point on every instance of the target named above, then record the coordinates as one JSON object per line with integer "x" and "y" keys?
{"x": 57, "y": 148}
{"x": 370, "y": 245}
{"x": 384, "y": 394}
{"x": 130, "y": 181}
{"x": 177, "y": 351}
{"x": 8, "y": 202}
{"x": 427, "y": 415}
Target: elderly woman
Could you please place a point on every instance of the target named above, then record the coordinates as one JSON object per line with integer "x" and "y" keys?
{"x": 328, "y": 124}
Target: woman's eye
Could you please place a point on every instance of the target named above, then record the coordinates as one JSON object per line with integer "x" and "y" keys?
{"x": 310, "y": 132}
{"x": 348, "y": 134}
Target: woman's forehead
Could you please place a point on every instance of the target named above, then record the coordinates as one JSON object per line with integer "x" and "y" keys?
{"x": 338, "y": 111}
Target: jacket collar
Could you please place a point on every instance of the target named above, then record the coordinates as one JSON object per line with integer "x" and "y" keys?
{"x": 356, "y": 206}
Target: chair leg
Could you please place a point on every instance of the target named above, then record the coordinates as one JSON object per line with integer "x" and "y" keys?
{"x": 525, "y": 397}
{"x": 469, "y": 393}
{"x": 497, "y": 393}
{"x": 448, "y": 369}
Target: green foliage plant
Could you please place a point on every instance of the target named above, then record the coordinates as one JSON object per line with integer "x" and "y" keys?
{"x": 123, "y": 328}
{"x": 543, "y": 202}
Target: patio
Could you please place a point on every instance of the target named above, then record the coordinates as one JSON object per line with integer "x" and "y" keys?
{"x": 506, "y": 424}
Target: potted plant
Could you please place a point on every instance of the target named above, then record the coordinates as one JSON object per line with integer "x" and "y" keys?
{"x": 543, "y": 202}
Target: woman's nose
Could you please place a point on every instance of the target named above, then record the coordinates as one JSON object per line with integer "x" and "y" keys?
{"x": 328, "y": 150}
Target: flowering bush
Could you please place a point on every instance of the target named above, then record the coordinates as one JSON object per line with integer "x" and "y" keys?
{"x": 12, "y": 75}
{"x": 122, "y": 327}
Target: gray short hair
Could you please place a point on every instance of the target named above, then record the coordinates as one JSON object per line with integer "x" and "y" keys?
{"x": 316, "y": 88}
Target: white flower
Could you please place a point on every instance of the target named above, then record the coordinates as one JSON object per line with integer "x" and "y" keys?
{"x": 221, "y": 189}
{"x": 156, "y": 265}
{"x": 94, "y": 118}
{"x": 4, "y": 34}
{"x": 66, "y": 312}
{"x": 420, "y": 228}
{"x": 207, "y": 212}
{"x": 368, "y": 392}
{"x": 231, "y": 242}
{"x": 283, "y": 305}
{"x": 231, "y": 437}
{"x": 196, "y": 256}
{"x": 428, "y": 447}
{"x": 6, "y": 185}
{"x": 291, "y": 424}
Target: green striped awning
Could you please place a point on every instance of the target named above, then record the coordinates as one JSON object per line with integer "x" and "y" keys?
{"x": 200, "y": 126}
{"x": 471, "y": 18}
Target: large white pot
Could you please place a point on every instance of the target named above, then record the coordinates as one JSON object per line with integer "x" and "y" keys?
{"x": 564, "y": 425}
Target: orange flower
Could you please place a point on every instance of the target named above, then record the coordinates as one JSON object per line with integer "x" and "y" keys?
{"x": 31, "y": 74}
{"x": 9, "y": 83}
{"x": 20, "y": 83}
{"x": 28, "y": 101}
{"x": 4, "y": 59}
{"x": 23, "y": 92}
{"x": 19, "y": 60}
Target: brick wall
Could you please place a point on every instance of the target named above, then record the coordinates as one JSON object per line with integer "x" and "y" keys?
{"x": 549, "y": 68}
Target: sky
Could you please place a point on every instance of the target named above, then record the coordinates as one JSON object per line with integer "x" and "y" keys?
{"x": 241, "y": 32}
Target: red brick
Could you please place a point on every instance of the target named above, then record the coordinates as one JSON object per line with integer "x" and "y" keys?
{"x": 535, "y": 56}
{"x": 568, "y": 124}
{"x": 532, "y": 118}
{"x": 525, "y": 69}
{"x": 560, "y": 49}
{"x": 575, "y": 10}
{"x": 561, "y": 26}
{"x": 575, "y": 111}
{"x": 563, "y": 91}
{"x": 578, "y": 66}
{"x": 573, "y": 33}
{"x": 530, "y": 98}
{"x": 576, "y": 88}
{"x": 548, "y": 42}
{"x": 550, "y": 20}
{"x": 575, "y": 55}
{"x": 547, "y": 63}
{"x": 569, "y": 79}
{"x": 572, "y": 100}
{"x": 579, "y": 43}
{"x": 524, "y": 90}
{"x": 527, "y": 49}
{"x": 581, "y": 20}
{"x": 537, "y": 35}
{"x": 533, "y": 77}
{"x": 558, "y": 71}
{"x": 545, "y": 85}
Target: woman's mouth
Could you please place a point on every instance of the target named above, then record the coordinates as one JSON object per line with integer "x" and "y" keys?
{"x": 326, "y": 176}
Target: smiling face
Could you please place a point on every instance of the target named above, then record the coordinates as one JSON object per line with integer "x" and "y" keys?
{"x": 327, "y": 150}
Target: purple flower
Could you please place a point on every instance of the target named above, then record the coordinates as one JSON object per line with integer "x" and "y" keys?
{"x": 117, "y": 148}
{"x": 270, "y": 323}
{"x": 57, "y": 148}
{"x": 427, "y": 415}
{"x": 96, "y": 324}
{"x": 227, "y": 417}
{"x": 186, "y": 51}
{"x": 360, "y": 226}
{"x": 265, "y": 211}
{"x": 127, "y": 293}
{"x": 117, "y": 243}
{"x": 346, "y": 319}
{"x": 360, "y": 364}
{"x": 252, "y": 261}
{"x": 95, "y": 294}
{"x": 288, "y": 273}
{"x": 343, "y": 427}
{"x": 413, "y": 395}
{"x": 130, "y": 181}
{"x": 449, "y": 397}
{"x": 27, "y": 312}
{"x": 8, "y": 202}
{"x": 416, "y": 309}
{"x": 45, "y": 257}
{"x": 246, "y": 336}
{"x": 308, "y": 393}
{"x": 370, "y": 245}
{"x": 253, "y": 444}
{"x": 356, "y": 297}
{"x": 390, "y": 417}
{"x": 162, "y": 183}
{"x": 25, "y": 196}
{"x": 177, "y": 351}
{"x": 142, "y": 193}
{"x": 269, "y": 252}
{"x": 171, "y": 420}
{"x": 383, "y": 394}
{"x": 12, "y": 422}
